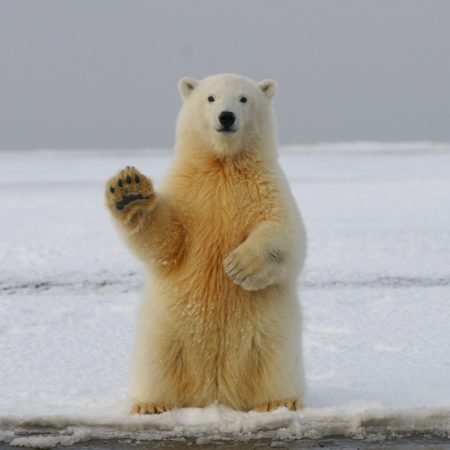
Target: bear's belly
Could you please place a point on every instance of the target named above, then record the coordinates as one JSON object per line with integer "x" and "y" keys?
{"x": 213, "y": 327}
{"x": 201, "y": 278}
{"x": 217, "y": 334}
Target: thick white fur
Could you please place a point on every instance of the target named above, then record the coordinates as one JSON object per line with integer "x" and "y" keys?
{"x": 224, "y": 244}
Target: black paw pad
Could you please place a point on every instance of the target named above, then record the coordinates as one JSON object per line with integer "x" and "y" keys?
{"x": 128, "y": 178}
{"x": 137, "y": 179}
{"x": 119, "y": 182}
{"x": 111, "y": 189}
{"x": 127, "y": 199}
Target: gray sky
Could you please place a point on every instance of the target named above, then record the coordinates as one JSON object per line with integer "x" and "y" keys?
{"x": 103, "y": 73}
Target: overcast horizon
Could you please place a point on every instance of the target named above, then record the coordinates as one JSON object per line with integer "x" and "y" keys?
{"x": 103, "y": 73}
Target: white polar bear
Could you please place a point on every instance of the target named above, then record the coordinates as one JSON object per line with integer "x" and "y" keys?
{"x": 224, "y": 243}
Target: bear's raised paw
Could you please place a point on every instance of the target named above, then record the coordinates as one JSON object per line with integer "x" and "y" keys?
{"x": 129, "y": 188}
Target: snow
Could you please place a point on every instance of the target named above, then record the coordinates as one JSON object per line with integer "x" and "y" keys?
{"x": 375, "y": 297}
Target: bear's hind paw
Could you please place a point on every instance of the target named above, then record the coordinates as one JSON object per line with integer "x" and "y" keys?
{"x": 292, "y": 405}
{"x": 148, "y": 408}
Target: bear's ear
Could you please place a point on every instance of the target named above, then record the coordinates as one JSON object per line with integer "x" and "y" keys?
{"x": 269, "y": 87}
{"x": 186, "y": 85}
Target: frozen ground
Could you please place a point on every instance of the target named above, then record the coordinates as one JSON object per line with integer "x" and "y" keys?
{"x": 375, "y": 296}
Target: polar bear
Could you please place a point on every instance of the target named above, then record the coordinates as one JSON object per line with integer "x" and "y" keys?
{"x": 224, "y": 243}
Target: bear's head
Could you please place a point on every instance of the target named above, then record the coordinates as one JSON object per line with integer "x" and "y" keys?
{"x": 226, "y": 114}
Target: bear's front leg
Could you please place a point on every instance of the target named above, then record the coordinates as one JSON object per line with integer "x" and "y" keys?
{"x": 149, "y": 223}
{"x": 261, "y": 260}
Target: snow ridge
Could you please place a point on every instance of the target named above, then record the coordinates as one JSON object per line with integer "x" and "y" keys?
{"x": 217, "y": 423}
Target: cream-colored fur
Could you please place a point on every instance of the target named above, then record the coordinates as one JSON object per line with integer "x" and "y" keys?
{"x": 223, "y": 243}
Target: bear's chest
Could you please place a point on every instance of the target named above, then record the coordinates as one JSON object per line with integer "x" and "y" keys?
{"x": 218, "y": 212}
{"x": 220, "y": 208}
{"x": 224, "y": 209}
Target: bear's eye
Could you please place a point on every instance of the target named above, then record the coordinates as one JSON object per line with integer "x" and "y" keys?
{"x": 211, "y": 99}
{"x": 243, "y": 99}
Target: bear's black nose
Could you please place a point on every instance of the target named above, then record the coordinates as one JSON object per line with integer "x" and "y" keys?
{"x": 227, "y": 118}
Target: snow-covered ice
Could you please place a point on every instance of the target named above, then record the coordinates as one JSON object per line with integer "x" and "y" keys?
{"x": 375, "y": 296}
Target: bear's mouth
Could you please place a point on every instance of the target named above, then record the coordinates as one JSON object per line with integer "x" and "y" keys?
{"x": 226, "y": 130}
